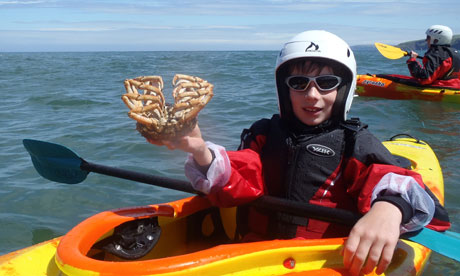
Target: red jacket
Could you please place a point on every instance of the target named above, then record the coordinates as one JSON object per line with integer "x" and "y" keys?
{"x": 441, "y": 67}
{"x": 350, "y": 187}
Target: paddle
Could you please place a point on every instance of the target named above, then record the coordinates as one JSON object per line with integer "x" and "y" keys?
{"x": 60, "y": 164}
{"x": 391, "y": 52}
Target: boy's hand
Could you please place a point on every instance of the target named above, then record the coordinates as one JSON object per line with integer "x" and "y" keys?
{"x": 192, "y": 143}
{"x": 373, "y": 238}
{"x": 186, "y": 143}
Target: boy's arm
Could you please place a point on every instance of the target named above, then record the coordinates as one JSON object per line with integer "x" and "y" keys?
{"x": 433, "y": 68}
{"x": 399, "y": 204}
{"x": 233, "y": 178}
{"x": 393, "y": 200}
{"x": 228, "y": 178}
{"x": 376, "y": 176}
{"x": 400, "y": 187}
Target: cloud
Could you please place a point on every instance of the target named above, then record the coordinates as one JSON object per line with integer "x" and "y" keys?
{"x": 257, "y": 24}
{"x": 20, "y": 2}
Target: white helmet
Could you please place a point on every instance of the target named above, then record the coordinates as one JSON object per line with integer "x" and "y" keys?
{"x": 318, "y": 44}
{"x": 442, "y": 34}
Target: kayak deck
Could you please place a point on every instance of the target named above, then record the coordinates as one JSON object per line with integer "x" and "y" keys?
{"x": 200, "y": 239}
{"x": 277, "y": 257}
{"x": 34, "y": 260}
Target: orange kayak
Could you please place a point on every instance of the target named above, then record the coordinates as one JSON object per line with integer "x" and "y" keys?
{"x": 191, "y": 237}
{"x": 399, "y": 87}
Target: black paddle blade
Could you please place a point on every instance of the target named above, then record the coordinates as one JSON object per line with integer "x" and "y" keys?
{"x": 55, "y": 162}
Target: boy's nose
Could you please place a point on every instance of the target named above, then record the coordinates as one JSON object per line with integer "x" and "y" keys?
{"x": 312, "y": 91}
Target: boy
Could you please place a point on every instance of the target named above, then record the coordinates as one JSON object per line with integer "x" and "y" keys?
{"x": 441, "y": 63}
{"x": 310, "y": 153}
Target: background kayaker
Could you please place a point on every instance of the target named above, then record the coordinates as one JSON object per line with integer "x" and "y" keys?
{"x": 441, "y": 63}
{"x": 311, "y": 153}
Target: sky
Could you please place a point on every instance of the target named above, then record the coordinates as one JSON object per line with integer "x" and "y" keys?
{"x": 189, "y": 25}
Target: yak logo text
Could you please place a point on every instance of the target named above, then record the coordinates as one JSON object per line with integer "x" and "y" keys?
{"x": 320, "y": 150}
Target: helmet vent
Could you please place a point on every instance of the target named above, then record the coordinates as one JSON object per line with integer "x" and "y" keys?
{"x": 348, "y": 52}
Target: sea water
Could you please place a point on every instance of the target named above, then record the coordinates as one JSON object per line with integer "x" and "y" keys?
{"x": 73, "y": 99}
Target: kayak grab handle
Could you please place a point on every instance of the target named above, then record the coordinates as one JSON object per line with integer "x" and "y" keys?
{"x": 407, "y": 135}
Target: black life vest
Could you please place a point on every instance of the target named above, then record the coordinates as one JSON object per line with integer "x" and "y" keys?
{"x": 295, "y": 167}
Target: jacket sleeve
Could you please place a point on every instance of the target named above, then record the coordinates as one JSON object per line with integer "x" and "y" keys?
{"x": 376, "y": 177}
{"x": 434, "y": 67}
{"x": 216, "y": 176}
{"x": 234, "y": 177}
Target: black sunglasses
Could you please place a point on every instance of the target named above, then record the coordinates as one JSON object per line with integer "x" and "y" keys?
{"x": 324, "y": 82}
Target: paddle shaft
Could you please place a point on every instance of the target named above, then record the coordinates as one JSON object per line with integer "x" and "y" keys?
{"x": 406, "y": 54}
{"x": 420, "y": 57}
{"x": 164, "y": 182}
{"x": 333, "y": 215}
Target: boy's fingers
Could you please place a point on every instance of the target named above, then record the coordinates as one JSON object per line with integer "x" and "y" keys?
{"x": 373, "y": 258}
{"x": 154, "y": 142}
{"x": 169, "y": 144}
{"x": 360, "y": 257}
{"x": 349, "y": 250}
{"x": 385, "y": 259}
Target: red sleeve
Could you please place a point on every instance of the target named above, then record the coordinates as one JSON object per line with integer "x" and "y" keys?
{"x": 438, "y": 72}
{"x": 432, "y": 70}
{"x": 366, "y": 178}
{"x": 245, "y": 183}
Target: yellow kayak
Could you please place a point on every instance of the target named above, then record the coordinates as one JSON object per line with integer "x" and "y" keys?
{"x": 191, "y": 237}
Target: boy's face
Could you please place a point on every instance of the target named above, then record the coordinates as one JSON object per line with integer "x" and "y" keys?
{"x": 313, "y": 106}
{"x": 428, "y": 41}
